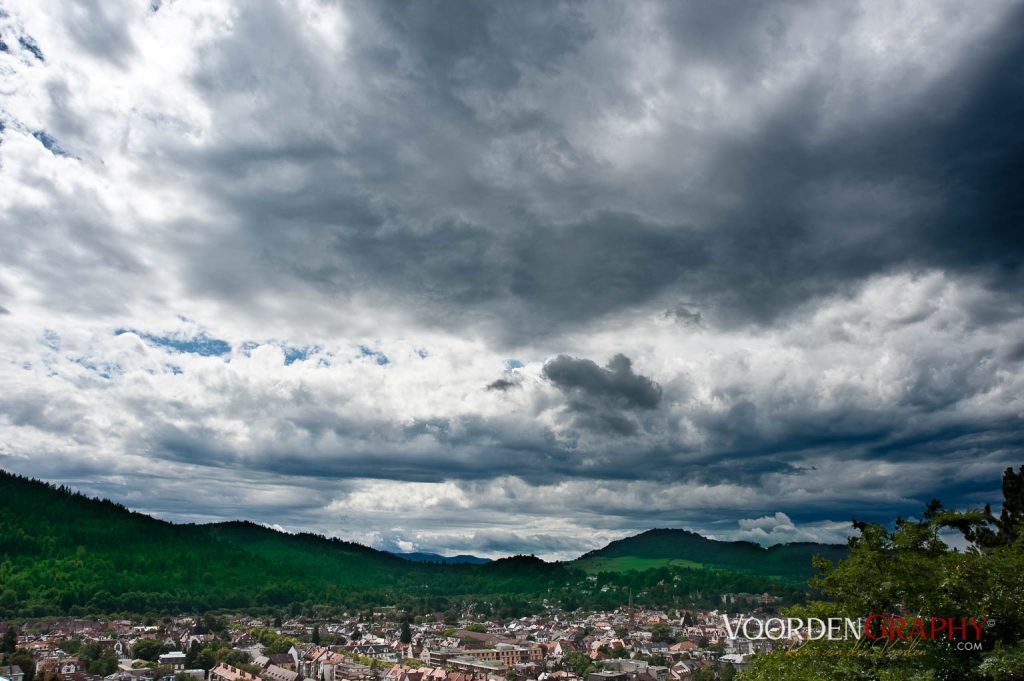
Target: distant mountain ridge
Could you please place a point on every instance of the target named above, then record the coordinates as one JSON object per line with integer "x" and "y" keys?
{"x": 62, "y": 552}
{"x": 461, "y": 559}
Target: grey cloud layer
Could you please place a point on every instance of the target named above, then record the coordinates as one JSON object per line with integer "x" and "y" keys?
{"x": 437, "y": 173}
{"x": 759, "y": 263}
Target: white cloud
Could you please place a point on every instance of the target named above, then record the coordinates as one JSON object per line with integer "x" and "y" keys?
{"x": 780, "y": 529}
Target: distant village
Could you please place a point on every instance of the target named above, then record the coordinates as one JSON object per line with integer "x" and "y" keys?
{"x": 629, "y": 644}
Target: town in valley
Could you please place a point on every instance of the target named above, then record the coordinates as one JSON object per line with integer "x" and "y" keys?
{"x": 384, "y": 644}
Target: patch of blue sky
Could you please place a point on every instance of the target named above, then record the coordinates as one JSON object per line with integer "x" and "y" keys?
{"x": 106, "y": 371}
{"x": 51, "y": 339}
{"x": 294, "y": 353}
{"x": 513, "y": 364}
{"x": 29, "y": 44}
{"x": 247, "y": 347}
{"x": 379, "y": 356}
{"x": 201, "y": 344}
{"x": 50, "y": 143}
{"x": 166, "y": 369}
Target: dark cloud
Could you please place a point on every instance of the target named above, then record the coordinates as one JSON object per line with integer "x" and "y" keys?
{"x": 615, "y": 384}
{"x": 501, "y": 384}
{"x": 600, "y": 397}
{"x": 828, "y": 200}
{"x": 684, "y": 314}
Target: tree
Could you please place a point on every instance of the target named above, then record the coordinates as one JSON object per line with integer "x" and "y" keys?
{"x": 10, "y": 640}
{"x": 207, "y": 658}
{"x": 24, "y": 659}
{"x": 909, "y": 571}
{"x": 406, "y": 633}
{"x": 982, "y": 528}
{"x": 148, "y": 649}
{"x": 107, "y": 664}
{"x": 316, "y": 635}
{"x": 236, "y": 658}
{"x": 580, "y": 664}
{"x": 191, "y": 654}
{"x": 661, "y": 632}
{"x": 704, "y": 674}
{"x": 8, "y": 600}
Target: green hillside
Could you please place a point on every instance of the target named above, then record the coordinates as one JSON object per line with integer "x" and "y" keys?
{"x": 682, "y": 548}
{"x": 64, "y": 553}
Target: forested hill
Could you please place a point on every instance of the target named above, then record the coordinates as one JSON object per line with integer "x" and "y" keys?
{"x": 64, "y": 553}
{"x": 684, "y": 548}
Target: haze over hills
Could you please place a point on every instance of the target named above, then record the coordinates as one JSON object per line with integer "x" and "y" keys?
{"x": 64, "y": 553}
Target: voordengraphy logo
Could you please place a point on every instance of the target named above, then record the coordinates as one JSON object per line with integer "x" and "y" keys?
{"x": 876, "y": 627}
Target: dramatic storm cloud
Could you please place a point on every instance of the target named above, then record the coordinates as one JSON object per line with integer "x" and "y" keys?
{"x": 601, "y": 396}
{"x": 505, "y": 277}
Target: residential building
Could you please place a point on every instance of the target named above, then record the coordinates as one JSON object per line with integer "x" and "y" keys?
{"x": 225, "y": 672}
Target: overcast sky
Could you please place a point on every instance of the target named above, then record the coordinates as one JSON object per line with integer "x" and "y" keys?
{"x": 514, "y": 277}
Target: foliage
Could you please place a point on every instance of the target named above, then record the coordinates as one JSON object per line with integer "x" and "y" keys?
{"x": 148, "y": 649}
{"x": 1004, "y": 664}
{"x": 9, "y": 641}
{"x": 578, "y": 663}
{"x": 24, "y": 659}
{"x": 98, "y": 659}
{"x": 273, "y": 642}
{"x": 909, "y": 571}
{"x": 661, "y": 633}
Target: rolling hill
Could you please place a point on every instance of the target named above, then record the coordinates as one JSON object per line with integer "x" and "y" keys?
{"x": 682, "y": 548}
{"x": 62, "y": 552}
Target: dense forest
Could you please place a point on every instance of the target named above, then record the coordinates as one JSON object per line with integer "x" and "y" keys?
{"x": 62, "y": 552}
